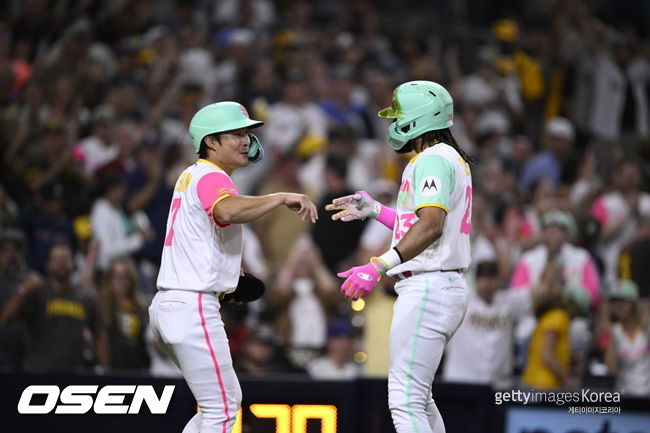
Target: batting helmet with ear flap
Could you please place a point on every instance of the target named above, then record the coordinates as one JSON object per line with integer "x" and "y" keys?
{"x": 222, "y": 117}
{"x": 418, "y": 107}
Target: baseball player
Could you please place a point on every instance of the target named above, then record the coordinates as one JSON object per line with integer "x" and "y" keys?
{"x": 429, "y": 249}
{"x": 201, "y": 259}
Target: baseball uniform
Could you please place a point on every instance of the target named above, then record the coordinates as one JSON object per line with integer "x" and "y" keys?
{"x": 201, "y": 259}
{"x": 432, "y": 292}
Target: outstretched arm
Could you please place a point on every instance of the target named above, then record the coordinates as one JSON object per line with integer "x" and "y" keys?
{"x": 239, "y": 209}
{"x": 361, "y": 205}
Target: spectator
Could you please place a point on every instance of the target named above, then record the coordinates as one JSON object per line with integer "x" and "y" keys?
{"x": 98, "y": 149}
{"x": 633, "y": 262}
{"x": 549, "y": 353}
{"x": 553, "y": 163}
{"x": 304, "y": 295}
{"x": 337, "y": 363}
{"x": 116, "y": 234}
{"x": 575, "y": 264}
{"x": 295, "y": 118}
{"x": 47, "y": 224}
{"x": 628, "y": 352}
{"x": 58, "y": 318}
{"x": 336, "y": 241}
{"x": 276, "y": 235}
{"x": 124, "y": 316}
{"x": 619, "y": 212}
{"x": 14, "y": 274}
{"x": 263, "y": 354}
{"x": 149, "y": 192}
{"x": 481, "y": 351}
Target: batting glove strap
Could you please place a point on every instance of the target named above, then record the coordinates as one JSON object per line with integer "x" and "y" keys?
{"x": 386, "y": 261}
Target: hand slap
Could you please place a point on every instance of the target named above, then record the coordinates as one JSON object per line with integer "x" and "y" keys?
{"x": 360, "y": 281}
{"x": 352, "y": 207}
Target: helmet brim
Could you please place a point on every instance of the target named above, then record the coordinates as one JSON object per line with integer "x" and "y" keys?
{"x": 390, "y": 112}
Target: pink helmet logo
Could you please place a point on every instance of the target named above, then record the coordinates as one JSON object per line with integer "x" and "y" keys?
{"x": 243, "y": 109}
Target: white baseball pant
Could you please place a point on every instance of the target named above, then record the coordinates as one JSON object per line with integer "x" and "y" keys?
{"x": 429, "y": 309}
{"x": 189, "y": 325}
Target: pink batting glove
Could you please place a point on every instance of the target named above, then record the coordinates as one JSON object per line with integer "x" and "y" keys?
{"x": 357, "y": 206}
{"x": 361, "y": 280}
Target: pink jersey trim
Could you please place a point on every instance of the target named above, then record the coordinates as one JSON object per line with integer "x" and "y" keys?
{"x": 599, "y": 211}
{"x": 526, "y": 230}
{"x": 520, "y": 277}
{"x": 387, "y": 216}
{"x": 214, "y": 362}
{"x": 591, "y": 281}
{"x": 212, "y": 188}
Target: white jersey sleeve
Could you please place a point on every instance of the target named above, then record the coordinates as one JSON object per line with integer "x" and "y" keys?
{"x": 200, "y": 254}
{"x": 437, "y": 177}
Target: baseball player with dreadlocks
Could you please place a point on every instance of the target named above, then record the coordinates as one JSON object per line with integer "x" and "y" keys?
{"x": 429, "y": 252}
{"x": 201, "y": 259}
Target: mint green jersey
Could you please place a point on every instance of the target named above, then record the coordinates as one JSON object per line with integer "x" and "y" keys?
{"x": 437, "y": 177}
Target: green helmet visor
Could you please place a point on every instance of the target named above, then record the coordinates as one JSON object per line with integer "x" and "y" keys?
{"x": 392, "y": 112}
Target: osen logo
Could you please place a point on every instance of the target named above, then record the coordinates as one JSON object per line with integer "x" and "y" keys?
{"x": 429, "y": 186}
{"x": 80, "y": 399}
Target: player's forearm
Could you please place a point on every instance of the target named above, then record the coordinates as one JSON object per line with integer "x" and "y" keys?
{"x": 386, "y": 216}
{"x": 419, "y": 237}
{"x": 240, "y": 209}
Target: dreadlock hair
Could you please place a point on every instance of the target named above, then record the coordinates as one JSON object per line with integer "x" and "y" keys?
{"x": 444, "y": 136}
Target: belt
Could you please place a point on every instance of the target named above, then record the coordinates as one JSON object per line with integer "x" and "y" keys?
{"x": 407, "y": 274}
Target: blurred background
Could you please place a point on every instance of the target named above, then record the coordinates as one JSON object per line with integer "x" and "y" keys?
{"x": 552, "y": 100}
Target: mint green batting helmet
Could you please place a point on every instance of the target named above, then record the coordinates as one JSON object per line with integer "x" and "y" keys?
{"x": 222, "y": 117}
{"x": 418, "y": 107}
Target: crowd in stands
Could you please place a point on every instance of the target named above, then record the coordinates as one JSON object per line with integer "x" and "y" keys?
{"x": 552, "y": 101}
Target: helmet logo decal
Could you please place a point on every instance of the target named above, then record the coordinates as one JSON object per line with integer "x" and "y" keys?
{"x": 243, "y": 109}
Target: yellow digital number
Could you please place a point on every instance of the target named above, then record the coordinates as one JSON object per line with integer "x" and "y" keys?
{"x": 281, "y": 413}
{"x": 325, "y": 413}
{"x": 292, "y": 420}
{"x": 238, "y": 424}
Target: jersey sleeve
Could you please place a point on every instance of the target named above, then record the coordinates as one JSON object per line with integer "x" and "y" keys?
{"x": 211, "y": 189}
{"x": 433, "y": 182}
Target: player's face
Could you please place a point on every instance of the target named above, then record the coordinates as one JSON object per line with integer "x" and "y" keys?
{"x": 621, "y": 308}
{"x": 233, "y": 148}
{"x": 554, "y": 237}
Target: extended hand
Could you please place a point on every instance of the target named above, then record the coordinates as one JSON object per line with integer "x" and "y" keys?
{"x": 352, "y": 207}
{"x": 361, "y": 280}
{"x": 301, "y": 204}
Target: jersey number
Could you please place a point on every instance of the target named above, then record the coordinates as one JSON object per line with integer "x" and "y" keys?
{"x": 404, "y": 223}
{"x": 466, "y": 224}
{"x": 176, "y": 205}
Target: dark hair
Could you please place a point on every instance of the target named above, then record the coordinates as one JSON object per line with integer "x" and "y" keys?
{"x": 203, "y": 148}
{"x": 487, "y": 269}
{"x": 106, "y": 182}
{"x": 445, "y": 136}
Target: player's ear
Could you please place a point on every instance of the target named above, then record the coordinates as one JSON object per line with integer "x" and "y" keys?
{"x": 211, "y": 141}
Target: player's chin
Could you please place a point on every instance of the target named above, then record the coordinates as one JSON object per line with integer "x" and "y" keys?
{"x": 243, "y": 159}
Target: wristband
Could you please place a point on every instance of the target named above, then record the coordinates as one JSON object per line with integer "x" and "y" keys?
{"x": 376, "y": 209}
{"x": 21, "y": 291}
{"x": 386, "y": 261}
